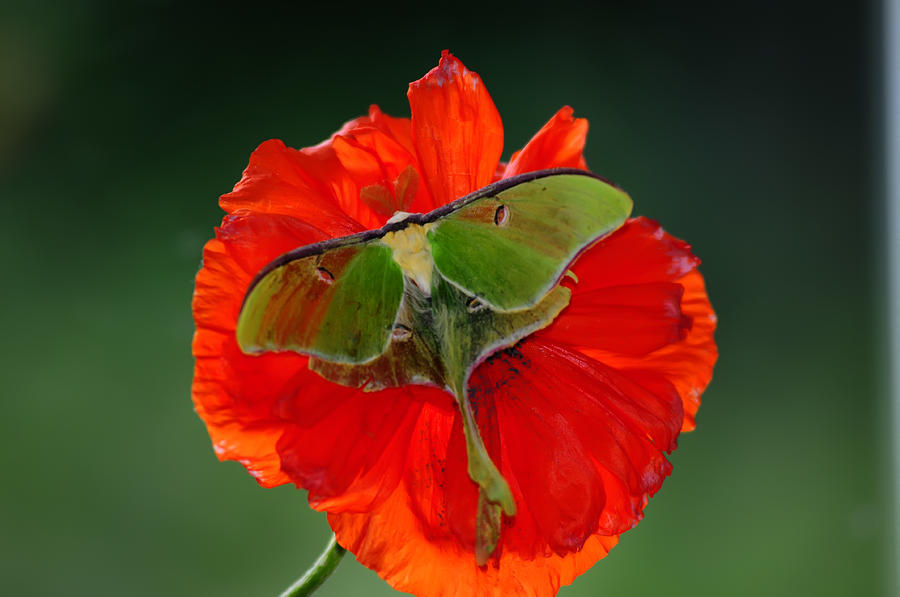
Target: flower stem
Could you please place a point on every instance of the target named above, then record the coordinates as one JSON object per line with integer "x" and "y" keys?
{"x": 319, "y": 572}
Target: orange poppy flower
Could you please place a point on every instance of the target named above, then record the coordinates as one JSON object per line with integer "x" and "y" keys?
{"x": 578, "y": 417}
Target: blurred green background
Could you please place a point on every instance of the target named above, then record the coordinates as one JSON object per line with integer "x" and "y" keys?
{"x": 748, "y": 129}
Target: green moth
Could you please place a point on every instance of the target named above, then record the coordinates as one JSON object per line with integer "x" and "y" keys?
{"x": 427, "y": 297}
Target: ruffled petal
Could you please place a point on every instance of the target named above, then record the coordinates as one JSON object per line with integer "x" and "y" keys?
{"x": 429, "y": 559}
{"x": 253, "y": 240}
{"x": 347, "y": 446}
{"x": 632, "y": 320}
{"x": 399, "y": 129}
{"x": 641, "y": 307}
{"x": 640, "y": 252}
{"x": 559, "y": 144}
{"x": 234, "y": 393}
{"x": 309, "y": 185}
{"x": 385, "y": 173}
{"x": 688, "y": 364}
{"x": 456, "y": 130}
{"x": 237, "y": 416}
{"x": 442, "y": 496}
{"x": 582, "y": 444}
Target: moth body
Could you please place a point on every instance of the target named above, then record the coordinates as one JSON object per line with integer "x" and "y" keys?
{"x": 412, "y": 252}
{"x": 427, "y": 297}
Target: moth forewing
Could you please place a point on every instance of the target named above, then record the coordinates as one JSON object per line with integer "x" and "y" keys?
{"x": 511, "y": 248}
{"x": 339, "y": 305}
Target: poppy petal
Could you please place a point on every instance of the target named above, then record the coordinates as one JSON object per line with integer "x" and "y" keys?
{"x": 235, "y": 393}
{"x": 442, "y": 495}
{"x": 582, "y": 447}
{"x": 499, "y": 172}
{"x": 636, "y": 263}
{"x": 687, "y": 364}
{"x": 254, "y": 239}
{"x": 633, "y": 320}
{"x": 345, "y": 445}
{"x": 429, "y": 559}
{"x": 640, "y": 252}
{"x": 559, "y": 144}
{"x": 309, "y": 185}
{"x": 385, "y": 172}
{"x": 398, "y": 129}
{"x": 456, "y": 130}
{"x": 582, "y": 444}
{"x": 237, "y": 413}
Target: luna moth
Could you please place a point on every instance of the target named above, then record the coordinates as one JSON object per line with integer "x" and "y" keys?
{"x": 427, "y": 297}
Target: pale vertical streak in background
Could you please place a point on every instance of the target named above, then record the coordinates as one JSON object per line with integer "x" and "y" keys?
{"x": 891, "y": 34}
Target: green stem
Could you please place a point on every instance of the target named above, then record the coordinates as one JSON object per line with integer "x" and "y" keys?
{"x": 319, "y": 572}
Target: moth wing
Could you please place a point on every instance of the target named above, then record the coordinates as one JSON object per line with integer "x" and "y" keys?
{"x": 509, "y": 249}
{"x": 338, "y": 304}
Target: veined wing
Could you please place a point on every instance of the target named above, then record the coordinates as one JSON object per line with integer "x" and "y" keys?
{"x": 336, "y": 300}
{"x": 509, "y": 243}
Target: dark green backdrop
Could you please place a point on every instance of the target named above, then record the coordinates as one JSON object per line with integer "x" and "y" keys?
{"x": 746, "y": 129}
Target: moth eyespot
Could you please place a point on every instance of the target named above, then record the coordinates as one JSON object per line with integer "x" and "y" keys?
{"x": 400, "y": 333}
{"x": 325, "y": 275}
{"x": 501, "y": 216}
{"x": 473, "y": 305}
